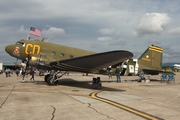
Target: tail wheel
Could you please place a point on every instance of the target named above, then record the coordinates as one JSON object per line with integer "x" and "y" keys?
{"x": 50, "y": 81}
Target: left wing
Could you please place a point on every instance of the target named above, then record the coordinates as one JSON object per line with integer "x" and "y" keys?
{"x": 92, "y": 63}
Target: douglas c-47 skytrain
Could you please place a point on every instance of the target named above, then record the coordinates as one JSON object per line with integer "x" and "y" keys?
{"x": 57, "y": 58}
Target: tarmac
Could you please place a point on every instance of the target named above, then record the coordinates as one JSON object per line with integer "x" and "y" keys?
{"x": 74, "y": 99}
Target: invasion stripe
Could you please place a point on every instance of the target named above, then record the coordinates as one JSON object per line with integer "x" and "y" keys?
{"x": 155, "y": 47}
{"x": 156, "y": 50}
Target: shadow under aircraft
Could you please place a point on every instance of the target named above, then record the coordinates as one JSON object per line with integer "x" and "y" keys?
{"x": 82, "y": 84}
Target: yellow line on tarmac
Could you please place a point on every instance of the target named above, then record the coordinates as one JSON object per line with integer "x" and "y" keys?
{"x": 132, "y": 110}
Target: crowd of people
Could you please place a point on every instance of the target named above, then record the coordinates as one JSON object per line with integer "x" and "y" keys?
{"x": 20, "y": 73}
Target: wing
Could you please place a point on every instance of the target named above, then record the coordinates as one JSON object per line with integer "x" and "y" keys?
{"x": 92, "y": 63}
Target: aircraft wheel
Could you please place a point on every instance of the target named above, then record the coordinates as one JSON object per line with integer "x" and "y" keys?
{"x": 46, "y": 77}
{"x": 41, "y": 74}
{"x": 50, "y": 81}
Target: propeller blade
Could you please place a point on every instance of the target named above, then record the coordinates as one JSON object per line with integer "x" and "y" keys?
{"x": 27, "y": 62}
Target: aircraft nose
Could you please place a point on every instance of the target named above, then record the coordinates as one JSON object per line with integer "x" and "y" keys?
{"x": 9, "y": 49}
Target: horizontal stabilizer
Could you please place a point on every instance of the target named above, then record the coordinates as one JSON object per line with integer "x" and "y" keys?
{"x": 155, "y": 72}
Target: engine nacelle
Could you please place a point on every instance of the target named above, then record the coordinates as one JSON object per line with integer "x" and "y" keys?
{"x": 39, "y": 62}
{"x": 39, "y": 65}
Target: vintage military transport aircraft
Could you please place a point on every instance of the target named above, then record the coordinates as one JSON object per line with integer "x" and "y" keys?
{"x": 58, "y": 58}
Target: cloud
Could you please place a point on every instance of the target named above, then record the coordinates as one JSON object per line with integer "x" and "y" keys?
{"x": 175, "y": 31}
{"x": 106, "y": 31}
{"x": 120, "y": 43}
{"x": 20, "y": 9}
{"x": 22, "y": 29}
{"x": 53, "y": 32}
{"x": 97, "y": 25}
{"x": 151, "y": 23}
{"x": 104, "y": 38}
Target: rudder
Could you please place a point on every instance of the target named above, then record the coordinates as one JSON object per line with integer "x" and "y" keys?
{"x": 151, "y": 58}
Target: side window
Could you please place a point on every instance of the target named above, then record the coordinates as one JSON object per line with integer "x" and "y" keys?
{"x": 53, "y": 53}
{"x": 71, "y": 56}
{"x": 62, "y": 54}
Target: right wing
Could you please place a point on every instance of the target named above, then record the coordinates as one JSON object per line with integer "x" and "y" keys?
{"x": 92, "y": 63}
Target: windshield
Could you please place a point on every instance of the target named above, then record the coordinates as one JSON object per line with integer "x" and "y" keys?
{"x": 20, "y": 43}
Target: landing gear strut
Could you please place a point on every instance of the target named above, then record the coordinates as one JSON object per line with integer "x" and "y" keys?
{"x": 52, "y": 81}
{"x": 52, "y": 78}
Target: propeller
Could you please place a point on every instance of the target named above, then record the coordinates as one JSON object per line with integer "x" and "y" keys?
{"x": 27, "y": 62}
{"x": 15, "y": 63}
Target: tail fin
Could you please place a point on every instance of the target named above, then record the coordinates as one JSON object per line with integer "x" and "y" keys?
{"x": 151, "y": 59}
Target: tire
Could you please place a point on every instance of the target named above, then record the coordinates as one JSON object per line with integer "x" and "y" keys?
{"x": 46, "y": 77}
{"x": 50, "y": 81}
{"x": 41, "y": 74}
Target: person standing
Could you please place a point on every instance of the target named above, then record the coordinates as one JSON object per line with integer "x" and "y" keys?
{"x": 17, "y": 72}
{"x": 23, "y": 73}
{"x": 6, "y": 71}
{"x": 32, "y": 74}
{"x": 109, "y": 71}
{"x": 117, "y": 72}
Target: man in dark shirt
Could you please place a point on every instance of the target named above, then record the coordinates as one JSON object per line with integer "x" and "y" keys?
{"x": 32, "y": 74}
{"x": 117, "y": 72}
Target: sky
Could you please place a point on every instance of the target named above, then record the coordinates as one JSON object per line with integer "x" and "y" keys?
{"x": 95, "y": 25}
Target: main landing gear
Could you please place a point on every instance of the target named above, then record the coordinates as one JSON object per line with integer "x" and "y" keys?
{"x": 53, "y": 77}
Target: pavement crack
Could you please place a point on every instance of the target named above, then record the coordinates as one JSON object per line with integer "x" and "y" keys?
{"x": 89, "y": 105}
{"x": 53, "y": 113}
{"x": 7, "y": 97}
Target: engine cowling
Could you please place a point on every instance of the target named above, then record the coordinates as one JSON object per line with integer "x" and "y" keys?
{"x": 39, "y": 62}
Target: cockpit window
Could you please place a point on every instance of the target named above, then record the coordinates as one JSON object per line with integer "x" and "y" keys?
{"x": 20, "y": 43}
{"x": 54, "y": 53}
{"x": 23, "y": 44}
